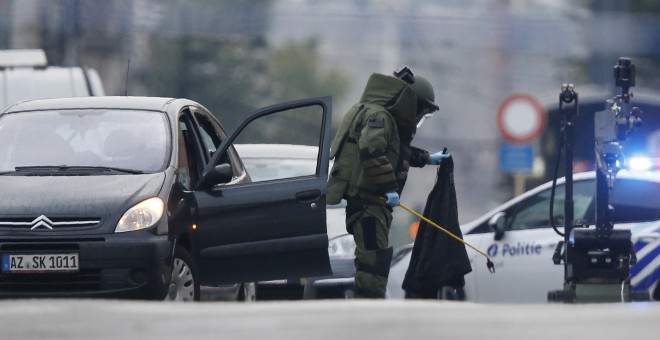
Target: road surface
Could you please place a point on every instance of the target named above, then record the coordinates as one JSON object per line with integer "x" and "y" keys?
{"x": 337, "y": 320}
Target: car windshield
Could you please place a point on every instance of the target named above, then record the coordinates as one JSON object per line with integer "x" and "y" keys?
{"x": 124, "y": 139}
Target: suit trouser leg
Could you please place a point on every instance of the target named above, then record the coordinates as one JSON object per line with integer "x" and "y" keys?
{"x": 373, "y": 255}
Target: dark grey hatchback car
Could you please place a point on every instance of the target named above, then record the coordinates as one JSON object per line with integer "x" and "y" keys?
{"x": 141, "y": 197}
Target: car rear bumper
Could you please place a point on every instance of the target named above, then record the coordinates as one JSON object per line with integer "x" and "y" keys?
{"x": 111, "y": 266}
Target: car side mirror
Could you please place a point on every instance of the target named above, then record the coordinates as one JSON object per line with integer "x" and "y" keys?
{"x": 221, "y": 173}
{"x": 497, "y": 224}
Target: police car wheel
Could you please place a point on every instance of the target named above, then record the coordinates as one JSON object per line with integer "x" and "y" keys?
{"x": 656, "y": 292}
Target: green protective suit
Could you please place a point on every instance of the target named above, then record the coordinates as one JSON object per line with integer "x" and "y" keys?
{"x": 372, "y": 155}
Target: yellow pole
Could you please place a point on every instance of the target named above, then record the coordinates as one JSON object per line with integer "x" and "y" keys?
{"x": 491, "y": 266}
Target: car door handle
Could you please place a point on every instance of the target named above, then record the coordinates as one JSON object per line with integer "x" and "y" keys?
{"x": 308, "y": 195}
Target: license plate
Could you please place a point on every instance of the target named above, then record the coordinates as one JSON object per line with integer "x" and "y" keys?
{"x": 40, "y": 263}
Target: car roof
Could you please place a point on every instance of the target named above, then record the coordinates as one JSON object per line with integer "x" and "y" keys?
{"x": 105, "y": 102}
{"x": 23, "y": 58}
{"x": 653, "y": 176}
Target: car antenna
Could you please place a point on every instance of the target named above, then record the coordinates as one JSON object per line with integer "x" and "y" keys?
{"x": 128, "y": 67}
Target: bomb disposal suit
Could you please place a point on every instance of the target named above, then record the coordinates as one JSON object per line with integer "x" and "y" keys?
{"x": 372, "y": 155}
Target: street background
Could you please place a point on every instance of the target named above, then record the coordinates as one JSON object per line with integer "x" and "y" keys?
{"x": 234, "y": 56}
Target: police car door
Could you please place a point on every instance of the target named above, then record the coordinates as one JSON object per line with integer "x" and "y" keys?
{"x": 522, "y": 253}
{"x": 275, "y": 228}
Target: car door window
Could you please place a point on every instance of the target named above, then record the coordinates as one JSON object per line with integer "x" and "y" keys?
{"x": 534, "y": 212}
{"x": 211, "y": 137}
{"x": 282, "y": 146}
{"x": 191, "y": 160}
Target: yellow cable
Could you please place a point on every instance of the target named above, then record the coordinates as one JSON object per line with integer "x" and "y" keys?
{"x": 490, "y": 263}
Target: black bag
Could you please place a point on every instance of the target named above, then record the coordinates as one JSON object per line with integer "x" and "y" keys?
{"x": 437, "y": 259}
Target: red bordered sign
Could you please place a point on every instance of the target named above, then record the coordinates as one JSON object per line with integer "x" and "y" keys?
{"x": 521, "y": 118}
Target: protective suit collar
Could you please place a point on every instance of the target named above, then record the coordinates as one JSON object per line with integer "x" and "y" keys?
{"x": 397, "y": 97}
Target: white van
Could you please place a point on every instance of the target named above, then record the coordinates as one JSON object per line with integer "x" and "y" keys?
{"x": 25, "y": 74}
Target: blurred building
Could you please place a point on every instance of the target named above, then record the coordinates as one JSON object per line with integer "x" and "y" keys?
{"x": 475, "y": 53}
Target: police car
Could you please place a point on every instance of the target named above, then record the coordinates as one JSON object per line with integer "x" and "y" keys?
{"x": 518, "y": 238}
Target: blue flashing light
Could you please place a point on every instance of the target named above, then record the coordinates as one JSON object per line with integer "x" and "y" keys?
{"x": 639, "y": 163}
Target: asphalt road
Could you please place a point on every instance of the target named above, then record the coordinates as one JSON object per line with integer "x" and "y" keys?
{"x": 338, "y": 320}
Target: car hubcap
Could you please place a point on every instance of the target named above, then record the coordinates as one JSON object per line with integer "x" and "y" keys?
{"x": 182, "y": 283}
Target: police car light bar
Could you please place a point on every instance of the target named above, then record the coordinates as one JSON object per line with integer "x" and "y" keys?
{"x": 641, "y": 163}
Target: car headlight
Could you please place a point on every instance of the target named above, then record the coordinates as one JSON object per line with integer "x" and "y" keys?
{"x": 142, "y": 215}
{"x": 342, "y": 247}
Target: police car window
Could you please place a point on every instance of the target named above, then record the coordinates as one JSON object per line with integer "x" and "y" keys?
{"x": 635, "y": 201}
{"x": 534, "y": 212}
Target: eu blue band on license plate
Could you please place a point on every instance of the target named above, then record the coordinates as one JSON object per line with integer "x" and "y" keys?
{"x": 5, "y": 263}
{"x": 40, "y": 263}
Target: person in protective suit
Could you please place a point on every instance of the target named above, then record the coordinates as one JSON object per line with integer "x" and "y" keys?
{"x": 372, "y": 155}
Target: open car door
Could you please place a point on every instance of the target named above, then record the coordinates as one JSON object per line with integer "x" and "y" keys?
{"x": 275, "y": 228}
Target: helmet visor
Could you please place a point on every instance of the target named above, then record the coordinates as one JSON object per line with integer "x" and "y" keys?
{"x": 426, "y": 108}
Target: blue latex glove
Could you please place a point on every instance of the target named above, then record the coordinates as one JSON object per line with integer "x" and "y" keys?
{"x": 437, "y": 157}
{"x": 392, "y": 199}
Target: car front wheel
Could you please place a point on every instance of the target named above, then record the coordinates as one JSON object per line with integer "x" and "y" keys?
{"x": 184, "y": 284}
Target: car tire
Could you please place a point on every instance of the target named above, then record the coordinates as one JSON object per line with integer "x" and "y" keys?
{"x": 349, "y": 293}
{"x": 247, "y": 292}
{"x": 309, "y": 292}
{"x": 184, "y": 283}
{"x": 656, "y": 292}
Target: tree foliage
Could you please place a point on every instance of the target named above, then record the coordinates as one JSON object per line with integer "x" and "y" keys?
{"x": 234, "y": 76}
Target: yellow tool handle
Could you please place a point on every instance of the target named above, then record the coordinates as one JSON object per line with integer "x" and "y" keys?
{"x": 489, "y": 263}
{"x": 441, "y": 228}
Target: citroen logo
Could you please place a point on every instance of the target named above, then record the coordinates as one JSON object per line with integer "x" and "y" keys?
{"x": 41, "y": 222}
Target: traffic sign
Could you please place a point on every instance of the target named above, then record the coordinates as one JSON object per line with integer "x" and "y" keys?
{"x": 516, "y": 158}
{"x": 520, "y": 118}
